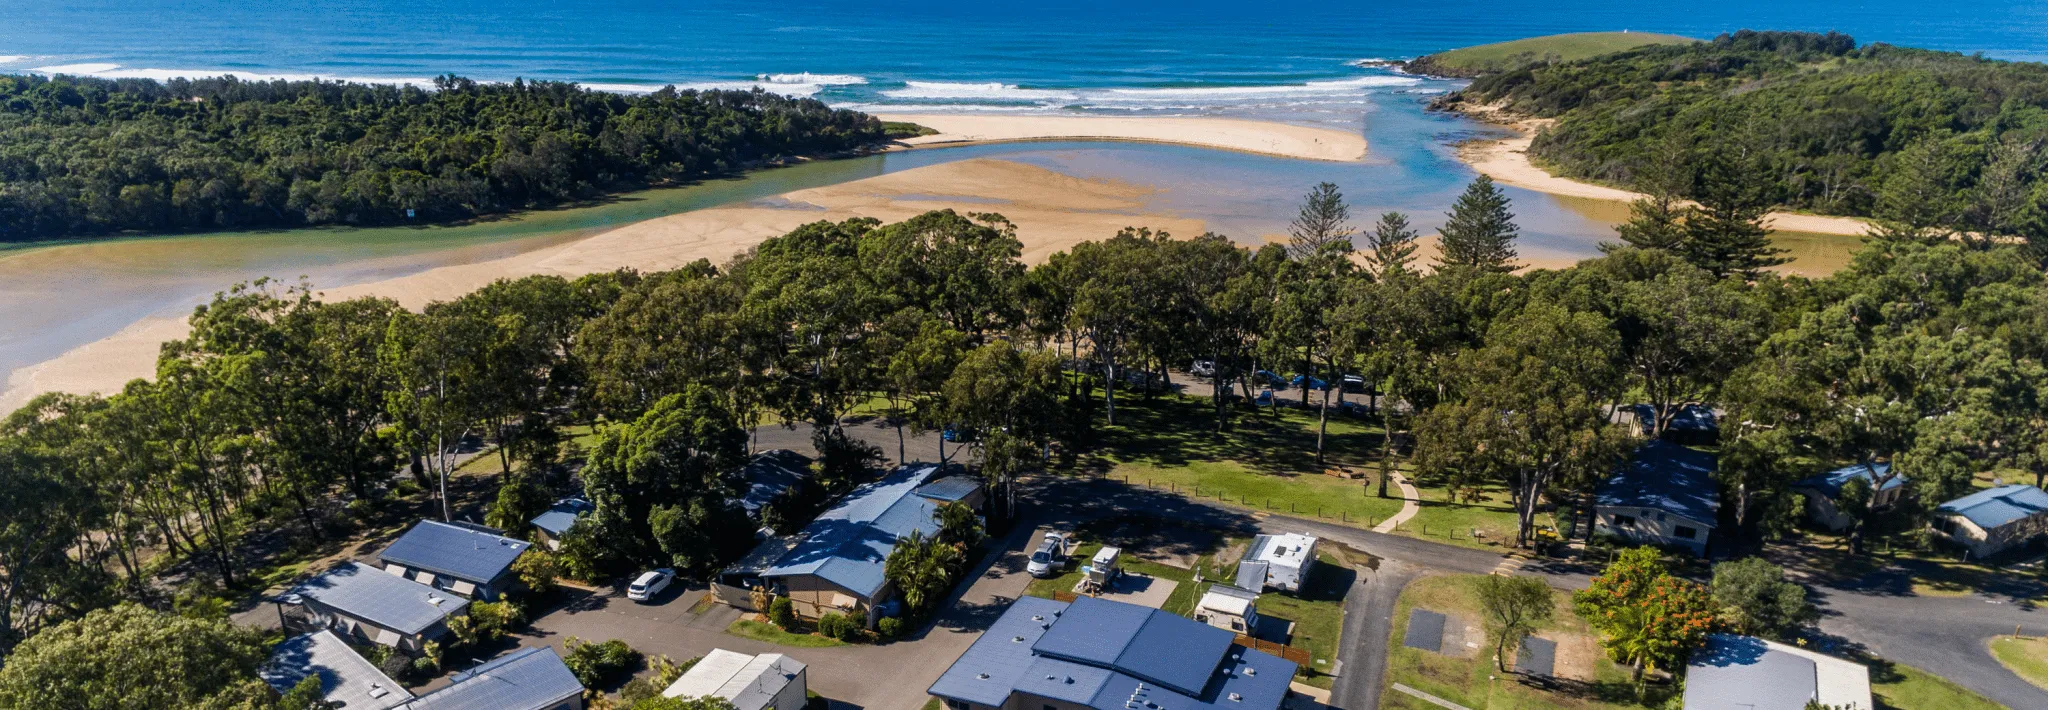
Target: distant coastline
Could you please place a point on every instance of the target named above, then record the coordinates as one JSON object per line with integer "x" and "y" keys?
{"x": 1506, "y": 160}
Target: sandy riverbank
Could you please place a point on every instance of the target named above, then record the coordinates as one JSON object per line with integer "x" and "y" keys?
{"x": 1052, "y": 212}
{"x": 1265, "y": 137}
{"x": 1507, "y": 161}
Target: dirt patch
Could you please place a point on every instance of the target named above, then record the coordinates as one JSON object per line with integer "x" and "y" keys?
{"x": 1463, "y": 637}
{"x": 1577, "y": 655}
{"x": 1149, "y": 540}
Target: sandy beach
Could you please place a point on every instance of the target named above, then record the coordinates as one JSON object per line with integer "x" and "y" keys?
{"x": 1052, "y": 212}
{"x": 1265, "y": 137}
{"x": 1507, "y": 161}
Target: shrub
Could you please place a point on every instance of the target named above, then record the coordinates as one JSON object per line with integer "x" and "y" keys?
{"x": 396, "y": 665}
{"x": 890, "y": 627}
{"x": 783, "y": 613}
{"x": 486, "y": 622}
{"x": 596, "y": 663}
{"x": 831, "y": 625}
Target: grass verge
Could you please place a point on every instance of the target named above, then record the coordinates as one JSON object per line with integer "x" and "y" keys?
{"x": 770, "y": 633}
{"x": 2025, "y": 657}
{"x": 1476, "y": 682}
{"x": 1900, "y": 687}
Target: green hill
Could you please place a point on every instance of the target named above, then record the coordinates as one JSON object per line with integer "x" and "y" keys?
{"x": 1509, "y": 56}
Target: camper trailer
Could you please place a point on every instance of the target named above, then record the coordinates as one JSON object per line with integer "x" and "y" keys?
{"x": 1101, "y": 569}
{"x": 1229, "y": 608}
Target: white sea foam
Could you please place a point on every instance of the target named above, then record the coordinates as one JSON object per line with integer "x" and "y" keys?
{"x": 12, "y": 58}
{"x": 115, "y": 71}
{"x": 991, "y": 91}
{"x": 809, "y": 78}
{"x": 1313, "y": 88}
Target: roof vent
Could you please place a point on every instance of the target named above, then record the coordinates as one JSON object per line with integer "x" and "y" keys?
{"x": 1037, "y": 617}
{"x": 982, "y": 676}
{"x": 435, "y": 599}
{"x": 1236, "y": 698}
{"x": 377, "y": 690}
{"x": 1248, "y": 670}
{"x": 1016, "y": 639}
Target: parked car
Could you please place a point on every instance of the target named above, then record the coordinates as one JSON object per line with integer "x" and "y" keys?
{"x": 1313, "y": 383}
{"x": 1203, "y": 368}
{"x": 1353, "y": 384}
{"x": 649, "y": 584}
{"x": 1051, "y": 555}
{"x": 1268, "y": 378}
{"x": 957, "y": 435}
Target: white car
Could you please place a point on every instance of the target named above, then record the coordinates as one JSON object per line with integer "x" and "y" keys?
{"x": 1050, "y": 556}
{"x": 649, "y": 584}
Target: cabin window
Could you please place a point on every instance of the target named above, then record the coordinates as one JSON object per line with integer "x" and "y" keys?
{"x": 1686, "y": 532}
{"x": 1660, "y": 517}
{"x": 1236, "y": 625}
{"x": 1623, "y": 521}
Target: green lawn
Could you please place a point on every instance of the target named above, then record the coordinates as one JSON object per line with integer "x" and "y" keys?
{"x": 1508, "y": 56}
{"x": 770, "y": 633}
{"x": 1267, "y": 462}
{"x": 1900, "y": 687}
{"x": 2025, "y": 657}
{"x": 1469, "y": 681}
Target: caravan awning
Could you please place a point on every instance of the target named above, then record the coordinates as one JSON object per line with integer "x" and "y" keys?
{"x": 463, "y": 588}
{"x": 426, "y": 578}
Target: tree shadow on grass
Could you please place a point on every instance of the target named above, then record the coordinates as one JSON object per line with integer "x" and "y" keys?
{"x": 1176, "y": 432}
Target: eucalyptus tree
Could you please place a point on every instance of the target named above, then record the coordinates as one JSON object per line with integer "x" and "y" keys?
{"x": 662, "y": 484}
{"x": 665, "y": 332}
{"x": 1530, "y": 410}
{"x": 964, "y": 270}
{"x": 1012, "y": 397}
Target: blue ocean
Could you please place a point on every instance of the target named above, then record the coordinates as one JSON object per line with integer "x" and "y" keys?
{"x": 1127, "y": 56}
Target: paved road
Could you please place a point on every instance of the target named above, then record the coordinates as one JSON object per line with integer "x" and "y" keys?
{"x": 1946, "y": 636}
{"x": 890, "y": 676}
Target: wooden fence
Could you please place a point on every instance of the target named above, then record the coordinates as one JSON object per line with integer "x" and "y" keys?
{"x": 1296, "y": 654}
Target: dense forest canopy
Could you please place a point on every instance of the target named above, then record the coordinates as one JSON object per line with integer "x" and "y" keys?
{"x": 82, "y": 156}
{"x": 1931, "y": 140}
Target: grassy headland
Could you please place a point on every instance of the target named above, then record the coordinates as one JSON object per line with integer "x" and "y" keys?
{"x": 1517, "y": 54}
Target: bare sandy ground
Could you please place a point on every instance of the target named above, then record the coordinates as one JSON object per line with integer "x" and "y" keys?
{"x": 1052, "y": 211}
{"x": 1507, "y": 161}
{"x": 1267, "y": 137}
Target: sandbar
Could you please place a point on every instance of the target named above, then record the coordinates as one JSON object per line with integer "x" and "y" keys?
{"x": 1052, "y": 211}
{"x": 1507, "y": 161}
{"x": 1264, "y": 137}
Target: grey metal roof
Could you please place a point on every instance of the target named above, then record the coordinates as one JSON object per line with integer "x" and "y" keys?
{"x": 455, "y": 551}
{"x": 748, "y": 682}
{"x": 563, "y": 515}
{"x": 380, "y": 597}
{"x": 526, "y": 679}
{"x": 849, "y": 544}
{"x": 950, "y": 489}
{"x": 1831, "y": 483}
{"x": 1668, "y": 477}
{"x": 1009, "y": 658}
{"x": 1994, "y": 507}
{"x": 1744, "y": 673}
{"x": 769, "y": 474}
{"x": 345, "y": 677}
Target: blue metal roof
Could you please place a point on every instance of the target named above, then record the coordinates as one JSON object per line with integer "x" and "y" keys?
{"x": 1142, "y": 643}
{"x": 1689, "y": 417}
{"x": 1668, "y": 477}
{"x": 769, "y": 474}
{"x": 562, "y": 515}
{"x": 849, "y": 544}
{"x": 951, "y": 489}
{"x": 380, "y": 597}
{"x": 1744, "y": 673}
{"x": 1831, "y": 482}
{"x": 1993, "y": 507}
{"x": 455, "y": 551}
{"x": 526, "y": 679}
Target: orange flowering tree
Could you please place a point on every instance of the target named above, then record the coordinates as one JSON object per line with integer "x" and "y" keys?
{"x": 1647, "y": 618}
